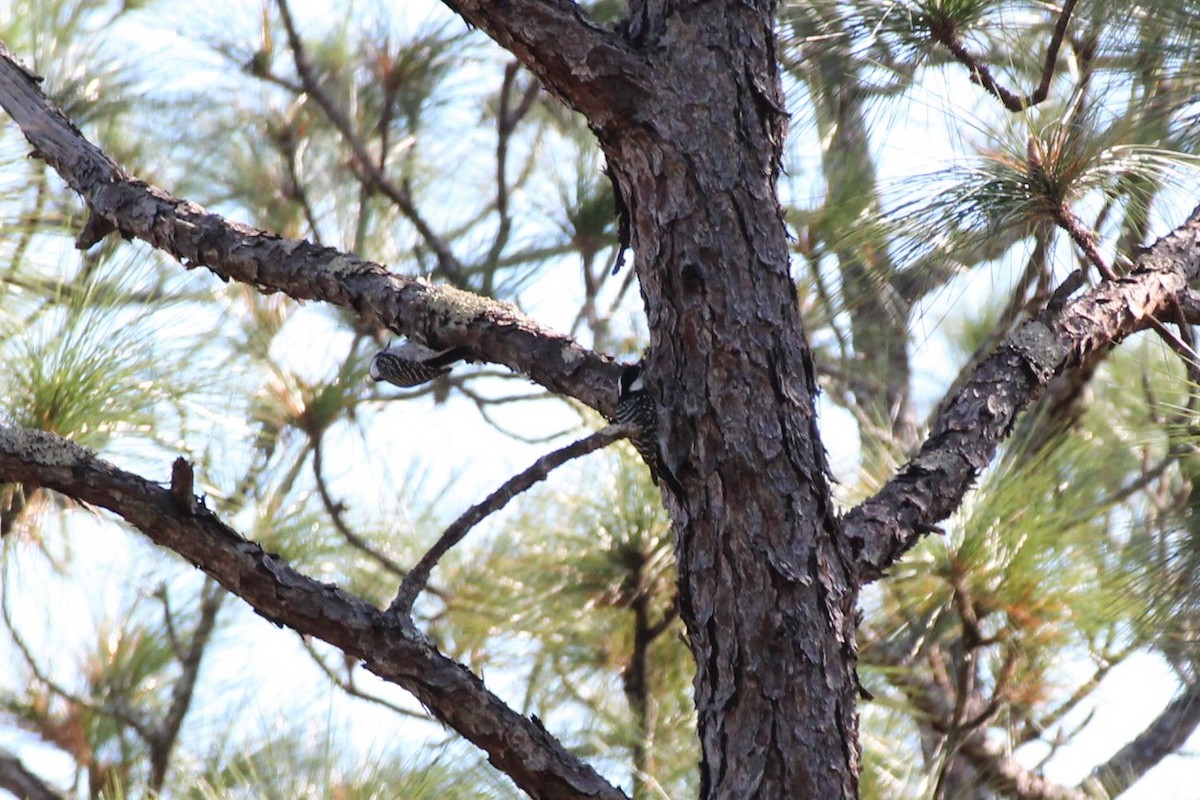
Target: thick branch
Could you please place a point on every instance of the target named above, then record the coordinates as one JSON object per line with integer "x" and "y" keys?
{"x": 587, "y": 66}
{"x": 969, "y": 430}
{"x": 20, "y": 782}
{"x": 397, "y": 652}
{"x": 439, "y": 315}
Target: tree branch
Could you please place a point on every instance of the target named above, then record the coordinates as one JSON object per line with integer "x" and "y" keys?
{"x": 1084, "y": 238}
{"x": 995, "y": 768}
{"x": 415, "y": 580}
{"x": 389, "y": 647}
{"x": 448, "y": 263}
{"x": 346, "y": 684}
{"x": 590, "y": 68}
{"x": 1161, "y": 738}
{"x": 336, "y": 509}
{"x": 166, "y": 733}
{"x": 969, "y": 430}
{"x": 125, "y": 716}
{"x": 20, "y": 782}
{"x": 1002, "y": 772}
{"x": 980, "y": 74}
{"x": 1034, "y": 728}
{"x": 441, "y": 316}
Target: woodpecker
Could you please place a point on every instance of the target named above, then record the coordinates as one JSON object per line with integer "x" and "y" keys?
{"x": 636, "y": 406}
{"x": 410, "y": 364}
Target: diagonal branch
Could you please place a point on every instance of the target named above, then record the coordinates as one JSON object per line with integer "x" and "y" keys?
{"x": 1084, "y": 238}
{"x": 996, "y": 768}
{"x": 20, "y": 782}
{"x": 166, "y": 733}
{"x": 346, "y": 684}
{"x": 947, "y": 35}
{"x": 116, "y": 710}
{"x": 391, "y": 648}
{"x": 968, "y": 432}
{"x": 1002, "y": 772}
{"x": 336, "y": 509}
{"x": 587, "y": 66}
{"x": 414, "y": 582}
{"x": 440, "y": 316}
{"x": 1164, "y": 736}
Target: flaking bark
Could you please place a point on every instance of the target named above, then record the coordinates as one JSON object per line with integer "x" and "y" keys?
{"x": 764, "y": 589}
{"x": 970, "y": 429}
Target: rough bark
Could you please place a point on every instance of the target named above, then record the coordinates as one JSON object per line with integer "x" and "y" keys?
{"x": 688, "y": 110}
{"x": 972, "y": 425}
{"x": 765, "y": 592}
{"x": 692, "y": 123}
{"x": 691, "y": 119}
{"x": 438, "y": 315}
{"x": 387, "y": 645}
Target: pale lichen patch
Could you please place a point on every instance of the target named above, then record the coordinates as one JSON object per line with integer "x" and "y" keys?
{"x": 1040, "y": 348}
{"x": 457, "y": 307}
{"x": 343, "y": 264}
{"x": 41, "y": 447}
{"x": 289, "y": 246}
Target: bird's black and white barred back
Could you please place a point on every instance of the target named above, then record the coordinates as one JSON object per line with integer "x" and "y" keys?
{"x": 637, "y": 407}
{"x": 410, "y": 364}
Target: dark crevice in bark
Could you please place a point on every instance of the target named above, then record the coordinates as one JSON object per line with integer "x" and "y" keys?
{"x": 703, "y": 216}
{"x": 692, "y": 131}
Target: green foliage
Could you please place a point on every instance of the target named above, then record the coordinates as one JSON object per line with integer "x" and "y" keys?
{"x": 936, "y": 14}
{"x": 120, "y": 686}
{"x": 588, "y": 582}
{"x": 84, "y": 376}
{"x": 62, "y": 40}
{"x": 1061, "y": 164}
{"x": 290, "y": 764}
{"x": 1078, "y": 546}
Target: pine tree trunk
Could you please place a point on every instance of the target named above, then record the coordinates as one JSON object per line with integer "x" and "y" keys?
{"x": 767, "y": 595}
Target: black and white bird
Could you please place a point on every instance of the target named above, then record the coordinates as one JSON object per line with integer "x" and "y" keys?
{"x": 636, "y": 406}
{"x": 410, "y": 364}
